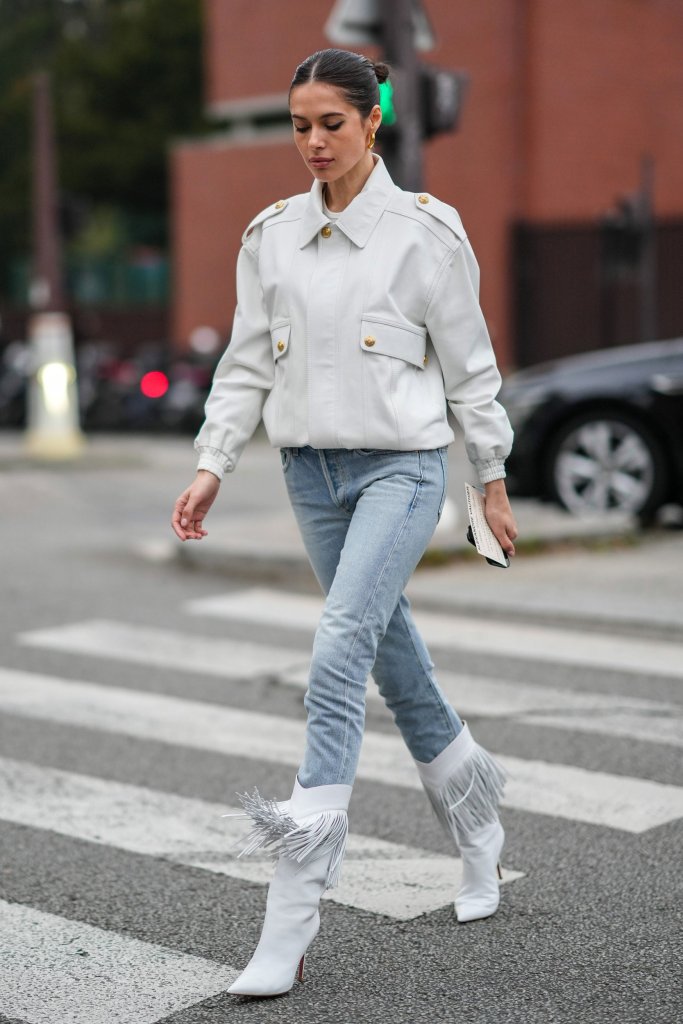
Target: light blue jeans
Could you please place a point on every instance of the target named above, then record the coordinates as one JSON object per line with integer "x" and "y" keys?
{"x": 366, "y": 517}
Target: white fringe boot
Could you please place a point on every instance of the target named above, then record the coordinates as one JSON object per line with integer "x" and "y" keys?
{"x": 309, "y": 830}
{"x": 464, "y": 785}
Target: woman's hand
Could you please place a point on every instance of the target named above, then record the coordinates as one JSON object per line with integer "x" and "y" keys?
{"x": 193, "y": 505}
{"x": 499, "y": 515}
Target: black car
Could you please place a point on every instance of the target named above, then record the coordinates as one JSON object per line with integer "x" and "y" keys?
{"x": 600, "y": 431}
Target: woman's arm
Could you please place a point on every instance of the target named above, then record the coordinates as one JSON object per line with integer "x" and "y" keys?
{"x": 243, "y": 377}
{"x": 461, "y": 340}
{"x": 241, "y": 383}
{"x": 458, "y": 332}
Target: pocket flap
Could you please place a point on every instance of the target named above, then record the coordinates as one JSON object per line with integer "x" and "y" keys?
{"x": 280, "y": 338}
{"x": 387, "y": 339}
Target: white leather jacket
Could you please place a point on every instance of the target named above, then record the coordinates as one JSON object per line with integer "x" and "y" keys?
{"x": 357, "y": 333}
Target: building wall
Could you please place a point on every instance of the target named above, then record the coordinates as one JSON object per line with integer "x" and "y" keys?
{"x": 564, "y": 97}
{"x": 606, "y": 88}
{"x": 218, "y": 189}
{"x": 253, "y": 46}
{"x": 475, "y": 169}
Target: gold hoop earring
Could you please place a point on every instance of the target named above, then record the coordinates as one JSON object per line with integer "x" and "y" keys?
{"x": 371, "y": 143}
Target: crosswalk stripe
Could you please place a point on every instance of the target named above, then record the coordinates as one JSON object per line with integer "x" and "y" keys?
{"x": 654, "y": 721}
{"x": 231, "y": 659}
{"x": 192, "y": 832}
{"x": 519, "y": 640}
{"x": 619, "y": 802}
{"x": 547, "y": 707}
{"x": 54, "y": 969}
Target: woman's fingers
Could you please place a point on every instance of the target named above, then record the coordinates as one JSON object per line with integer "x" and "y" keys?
{"x": 504, "y": 530}
{"x": 192, "y": 506}
{"x": 510, "y": 535}
{"x": 187, "y": 521}
{"x": 194, "y": 528}
{"x": 505, "y": 534}
{"x": 505, "y": 541}
{"x": 178, "y": 512}
{"x": 499, "y": 515}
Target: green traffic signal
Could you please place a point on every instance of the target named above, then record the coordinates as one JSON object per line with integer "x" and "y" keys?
{"x": 386, "y": 103}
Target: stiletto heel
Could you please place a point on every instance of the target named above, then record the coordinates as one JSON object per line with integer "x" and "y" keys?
{"x": 500, "y": 871}
{"x": 300, "y": 971}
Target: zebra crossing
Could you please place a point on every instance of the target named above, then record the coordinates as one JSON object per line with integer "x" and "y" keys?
{"x": 74, "y": 973}
{"x": 108, "y": 976}
{"x": 474, "y": 695}
{"x": 632, "y": 805}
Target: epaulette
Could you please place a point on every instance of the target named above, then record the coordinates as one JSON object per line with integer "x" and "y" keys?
{"x": 270, "y": 211}
{"x": 443, "y": 212}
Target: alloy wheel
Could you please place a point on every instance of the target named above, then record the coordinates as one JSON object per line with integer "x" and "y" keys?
{"x": 604, "y": 465}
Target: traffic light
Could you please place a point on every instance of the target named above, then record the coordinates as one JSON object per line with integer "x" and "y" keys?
{"x": 441, "y": 98}
{"x": 428, "y": 100}
{"x": 386, "y": 102}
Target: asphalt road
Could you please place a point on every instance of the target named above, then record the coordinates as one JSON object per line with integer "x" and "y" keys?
{"x": 130, "y": 718}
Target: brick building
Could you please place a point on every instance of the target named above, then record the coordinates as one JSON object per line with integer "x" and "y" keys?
{"x": 565, "y": 98}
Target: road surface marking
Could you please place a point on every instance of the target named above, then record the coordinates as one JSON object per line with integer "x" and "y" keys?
{"x": 461, "y": 633}
{"x": 614, "y": 801}
{"x": 57, "y": 970}
{"x": 547, "y": 707}
{"x": 231, "y": 659}
{"x": 380, "y": 877}
{"x": 472, "y": 696}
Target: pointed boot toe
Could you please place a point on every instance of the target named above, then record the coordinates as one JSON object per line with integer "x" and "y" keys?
{"x": 479, "y": 893}
{"x": 475, "y": 910}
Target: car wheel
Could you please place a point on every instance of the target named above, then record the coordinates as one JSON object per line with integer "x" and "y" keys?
{"x": 607, "y": 462}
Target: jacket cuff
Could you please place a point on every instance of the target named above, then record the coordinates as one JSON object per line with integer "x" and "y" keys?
{"x": 490, "y": 469}
{"x": 213, "y": 460}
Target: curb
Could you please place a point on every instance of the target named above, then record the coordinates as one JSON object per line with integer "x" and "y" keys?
{"x": 265, "y": 563}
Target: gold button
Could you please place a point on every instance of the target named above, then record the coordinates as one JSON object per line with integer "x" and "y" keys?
{"x": 280, "y": 346}
{"x": 423, "y": 199}
{"x": 425, "y": 360}
{"x": 280, "y": 203}
{"x": 326, "y": 231}
{"x": 369, "y": 341}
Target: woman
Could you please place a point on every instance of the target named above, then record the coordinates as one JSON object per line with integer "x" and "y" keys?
{"x": 357, "y": 326}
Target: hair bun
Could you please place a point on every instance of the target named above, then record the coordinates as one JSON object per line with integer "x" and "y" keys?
{"x": 381, "y": 70}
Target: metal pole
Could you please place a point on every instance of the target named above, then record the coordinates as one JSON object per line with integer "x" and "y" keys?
{"x": 46, "y": 286}
{"x": 648, "y": 259}
{"x": 52, "y": 428}
{"x": 403, "y": 152}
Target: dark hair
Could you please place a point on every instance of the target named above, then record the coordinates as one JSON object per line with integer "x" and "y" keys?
{"x": 357, "y": 76}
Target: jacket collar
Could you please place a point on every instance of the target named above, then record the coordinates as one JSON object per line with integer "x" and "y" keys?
{"x": 359, "y": 218}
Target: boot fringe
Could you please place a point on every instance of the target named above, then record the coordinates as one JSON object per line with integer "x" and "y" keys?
{"x": 469, "y": 798}
{"x": 274, "y": 828}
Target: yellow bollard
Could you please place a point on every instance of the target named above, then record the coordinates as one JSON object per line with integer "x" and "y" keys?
{"x": 53, "y": 430}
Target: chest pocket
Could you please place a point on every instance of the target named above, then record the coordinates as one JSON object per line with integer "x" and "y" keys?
{"x": 378, "y": 337}
{"x": 279, "y": 334}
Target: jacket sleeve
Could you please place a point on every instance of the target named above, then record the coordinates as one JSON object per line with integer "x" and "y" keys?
{"x": 243, "y": 377}
{"x": 460, "y": 338}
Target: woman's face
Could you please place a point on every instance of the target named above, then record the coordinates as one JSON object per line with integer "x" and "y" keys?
{"x": 330, "y": 134}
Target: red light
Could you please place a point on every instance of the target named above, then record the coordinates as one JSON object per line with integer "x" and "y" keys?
{"x": 154, "y": 384}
